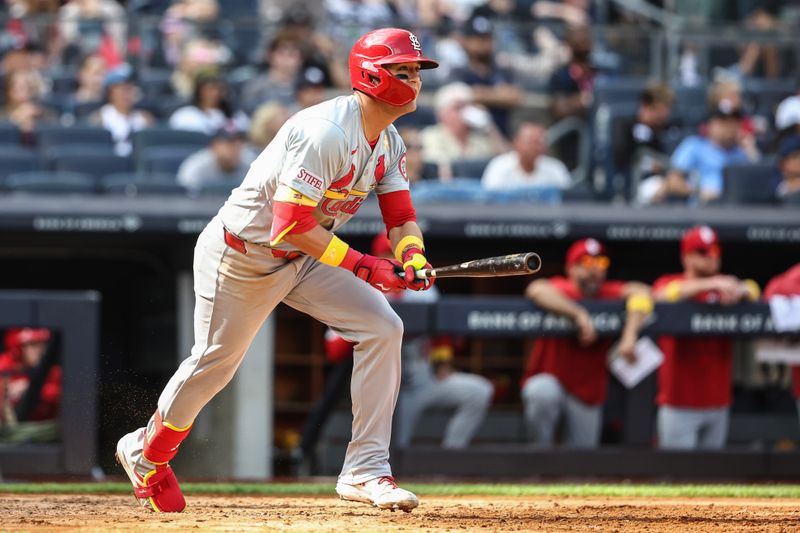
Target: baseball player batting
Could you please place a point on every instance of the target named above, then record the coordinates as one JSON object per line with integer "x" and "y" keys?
{"x": 274, "y": 241}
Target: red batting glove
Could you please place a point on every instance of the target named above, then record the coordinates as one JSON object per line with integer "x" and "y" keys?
{"x": 378, "y": 272}
{"x": 413, "y": 260}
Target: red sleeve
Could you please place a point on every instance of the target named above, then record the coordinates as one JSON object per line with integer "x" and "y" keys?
{"x": 662, "y": 282}
{"x": 396, "y": 209}
{"x": 337, "y": 349}
{"x": 51, "y": 390}
{"x": 565, "y": 286}
{"x": 612, "y": 290}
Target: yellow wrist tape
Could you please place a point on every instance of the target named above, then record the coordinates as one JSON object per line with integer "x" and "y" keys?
{"x": 335, "y": 252}
{"x": 753, "y": 290}
{"x": 641, "y": 303}
{"x": 404, "y": 243}
{"x": 418, "y": 261}
{"x": 672, "y": 292}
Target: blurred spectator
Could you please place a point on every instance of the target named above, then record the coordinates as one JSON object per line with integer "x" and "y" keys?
{"x": 527, "y": 163}
{"x": 197, "y": 54}
{"x": 413, "y": 166}
{"x": 319, "y": 49}
{"x": 788, "y": 284}
{"x": 641, "y": 144}
{"x": 22, "y": 90}
{"x": 91, "y": 75}
{"x": 32, "y": 22}
{"x": 789, "y": 167}
{"x": 694, "y": 381}
{"x": 760, "y": 17}
{"x": 284, "y": 60}
{"x": 309, "y": 88}
{"x": 727, "y": 94}
{"x": 119, "y": 115}
{"x": 182, "y": 22}
{"x": 27, "y": 57}
{"x": 574, "y": 13}
{"x": 698, "y": 162}
{"x": 94, "y": 26}
{"x": 572, "y": 85}
{"x": 463, "y": 130}
{"x": 566, "y": 377}
{"x": 223, "y": 161}
{"x": 787, "y": 115}
{"x": 493, "y": 86}
{"x": 369, "y": 13}
{"x": 24, "y": 366}
{"x": 267, "y": 120}
{"x": 572, "y": 91}
{"x": 209, "y": 109}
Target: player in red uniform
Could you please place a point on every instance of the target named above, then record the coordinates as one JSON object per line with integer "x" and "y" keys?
{"x": 788, "y": 284}
{"x": 25, "y": 351}
{"x": 694, "y": 382}
{"x": 566, "y": 377}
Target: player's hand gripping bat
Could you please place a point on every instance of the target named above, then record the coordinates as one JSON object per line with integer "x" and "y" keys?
{"x": 489, "y": 267}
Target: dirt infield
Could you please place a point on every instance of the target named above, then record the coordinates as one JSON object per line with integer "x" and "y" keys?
{"x": 258, "y": 513}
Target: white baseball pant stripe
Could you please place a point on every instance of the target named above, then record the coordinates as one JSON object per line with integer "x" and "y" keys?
{"x": 234, "y": 295}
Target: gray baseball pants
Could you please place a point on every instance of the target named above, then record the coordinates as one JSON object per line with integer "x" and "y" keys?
{"x": 690, "y": 429}
{"x": 545, "y": 402}
{"x": 470, "y": 395}
{"x": 234, "y": 295}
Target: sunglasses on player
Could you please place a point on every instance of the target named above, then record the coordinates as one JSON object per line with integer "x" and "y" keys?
{"x": 600, "y": 262}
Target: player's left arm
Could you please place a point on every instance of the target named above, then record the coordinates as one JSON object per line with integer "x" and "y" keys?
{"x": 400, "y": 218}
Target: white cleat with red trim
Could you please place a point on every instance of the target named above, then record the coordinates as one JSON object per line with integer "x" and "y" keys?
{"x": 154, "y": 486}
{"x": 381, "y": 492}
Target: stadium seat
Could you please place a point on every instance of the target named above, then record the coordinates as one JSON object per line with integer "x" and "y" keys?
{"x": 748, "y": 184}
{"x": 618, "y": 90}
{"x": 54, "y": 135}
{"x": 96, "y": 165}
{"x": 792, "y": 199}
{"x": 138, "y": 184}
{"x": 469, "y": 168}
{"x": 15, "y": 158}
{"x": 422, "y": 117}
{"x": 164, "y": 158}
{"x": 217, "y": 188}
{"x": 9, "y": 132}
{"x": 84, "y": 110}
{"x": 163, "y": 136}
{"x": 51, "y": 182}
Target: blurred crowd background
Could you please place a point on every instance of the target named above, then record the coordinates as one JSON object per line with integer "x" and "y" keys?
{"x": 645, "y": 102}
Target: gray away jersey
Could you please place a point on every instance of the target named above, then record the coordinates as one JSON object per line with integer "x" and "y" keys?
{"x": 321, "y": 152}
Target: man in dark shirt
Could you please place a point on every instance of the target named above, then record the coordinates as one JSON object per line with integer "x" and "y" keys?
{"x": 642, "y": 143}
{"x": 492, "y": 85}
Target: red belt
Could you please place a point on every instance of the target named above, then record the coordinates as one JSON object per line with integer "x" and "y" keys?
{"x": 239, "y": 245}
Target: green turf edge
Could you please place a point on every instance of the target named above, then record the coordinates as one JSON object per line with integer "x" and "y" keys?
{"x": 438, "y": 489}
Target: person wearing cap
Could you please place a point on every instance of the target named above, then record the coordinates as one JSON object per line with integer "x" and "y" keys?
{"x": 565, "y": 379}
{"x": 788, "y": 187}
{"x": 310, "y": 87}
{"x": 697, "y": 164}
{"x": 788, "y": 284}
{"x": 493, "y": 86}
{"x": 694, "y": 381}
{"x": 787, "y": 115}
{"x": 463, "y": 130}
{"x": 24, "y": 357}
{"x": 209, "y": 109}
{"x": 119, "y": 115}
{"x": 224, "y": 161}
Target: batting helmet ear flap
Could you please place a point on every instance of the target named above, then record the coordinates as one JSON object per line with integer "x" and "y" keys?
{"x": 386, "y": 46}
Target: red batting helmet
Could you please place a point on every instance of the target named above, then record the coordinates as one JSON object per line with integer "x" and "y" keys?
{"x": 385, "y": 46}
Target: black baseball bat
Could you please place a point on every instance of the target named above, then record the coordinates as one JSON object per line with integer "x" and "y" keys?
{"x": 488, "y": 267}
